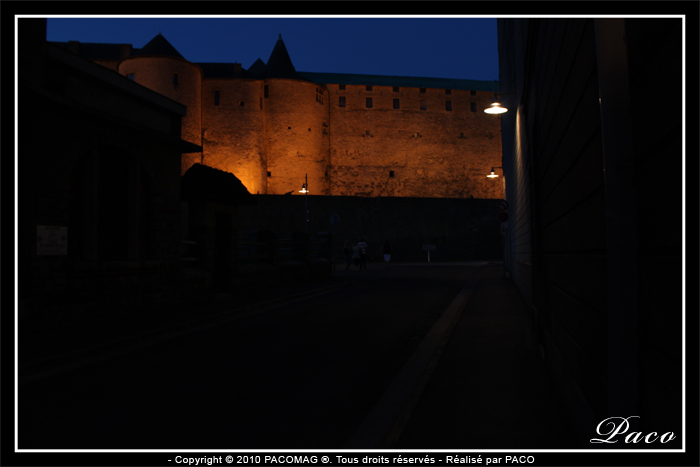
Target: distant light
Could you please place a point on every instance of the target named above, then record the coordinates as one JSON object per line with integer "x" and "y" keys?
{"x": 303, "y": 189}
{"x": 496, "y": 109}
{"x": 492, "y": 174}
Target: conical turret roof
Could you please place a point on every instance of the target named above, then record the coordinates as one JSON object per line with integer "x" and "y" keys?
{"x": 257, "y": 68}
{"x": 159, "y": 45}
{"x": 280, "y": 65}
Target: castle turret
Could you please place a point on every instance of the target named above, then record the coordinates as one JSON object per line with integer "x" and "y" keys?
{"x": 160, "y": 67}
{"x": 296, "y": 127}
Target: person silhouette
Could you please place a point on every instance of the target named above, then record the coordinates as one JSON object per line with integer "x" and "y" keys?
{"x": 362, "y": 245}
{"x": 386, "y": 250}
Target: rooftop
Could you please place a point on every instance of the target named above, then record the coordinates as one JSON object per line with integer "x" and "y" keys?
{"x": 160, "y": 46}
{"x": 279, "y": 65}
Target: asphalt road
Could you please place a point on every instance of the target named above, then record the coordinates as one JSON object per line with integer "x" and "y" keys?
{"x": 304, "y": 375}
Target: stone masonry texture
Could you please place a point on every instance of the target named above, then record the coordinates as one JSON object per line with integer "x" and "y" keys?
{"x": 275, "y": 132}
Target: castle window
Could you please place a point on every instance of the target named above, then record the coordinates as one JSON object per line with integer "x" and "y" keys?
{"x": 472, "y": 93}
{"x": 341, "y": 87}
{"x": 368, "y": 102}
{"x": 176, "y": 80}
{"x": 242, "y": 104}
{"x": 265, "y": 92}
{"x": 422, "y": 90}
{"x": 391, "y": 174}
{"x": 217, "y": 95}
{"x": 269, "y": 174}
{"x": 341, "y": 101}
{"x": 448, "y": 91}
{"x": 131, "y": 76}
{"x": 367, "y": 132}
{"x": 368, "y": 88}
{"x": 423, "y": 104}
{"x": 396, "y": 104}
{"x": 448, "y": 106}
{"x": 396, "y": 89}
{"x": 319, "y": 95}
{"x": 473, "y": 106}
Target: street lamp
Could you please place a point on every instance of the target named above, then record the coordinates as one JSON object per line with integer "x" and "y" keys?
{"x": 305, "y": 190}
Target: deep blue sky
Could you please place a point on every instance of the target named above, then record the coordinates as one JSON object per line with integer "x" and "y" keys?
{"x": 454, "y": 47}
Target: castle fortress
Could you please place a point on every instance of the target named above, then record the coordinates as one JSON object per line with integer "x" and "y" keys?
{"x": 350, "y": 134}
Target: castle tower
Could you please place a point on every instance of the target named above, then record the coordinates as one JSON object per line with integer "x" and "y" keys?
{"x": 160, "y": 67}
{"x": 296, "y": 127}
{"x": 233, "y": 137}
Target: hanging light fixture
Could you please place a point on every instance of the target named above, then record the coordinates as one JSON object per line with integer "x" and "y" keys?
{"x": 493, "y": 173}
{"x": 496, "y": 107}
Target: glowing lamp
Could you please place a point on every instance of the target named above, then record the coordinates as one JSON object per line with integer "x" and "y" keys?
{"x": 496, "y": 109}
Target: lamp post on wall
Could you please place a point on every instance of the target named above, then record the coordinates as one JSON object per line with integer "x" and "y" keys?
{"x": 305, "y": 190}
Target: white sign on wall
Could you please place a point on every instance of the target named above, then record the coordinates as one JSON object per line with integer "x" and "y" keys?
{"x": 51, "y": 240}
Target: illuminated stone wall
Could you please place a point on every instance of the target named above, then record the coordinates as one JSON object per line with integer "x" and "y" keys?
{"x": 352, "y": 150}
{"x": 438, "y": 143}
{"x": 296, "y": 116}
{"x": 421, "y": 149}
{"x": 234, "y": 139}
{"x": 383, "y": 151}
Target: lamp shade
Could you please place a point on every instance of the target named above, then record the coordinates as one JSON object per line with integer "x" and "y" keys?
{"x": 496, "y": 109}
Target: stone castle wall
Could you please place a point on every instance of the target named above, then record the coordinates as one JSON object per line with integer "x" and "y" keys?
{"x": 438, "y": 143}
{"x": 435, "y": 152}
{"x": 234, "y": 139}
{"x": 296, "y": 115}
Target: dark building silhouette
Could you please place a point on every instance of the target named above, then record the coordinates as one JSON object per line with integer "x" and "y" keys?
{"x": 210, "y": 221}
{"x": 99, "y": 190}
{"x": 594, "y": 242}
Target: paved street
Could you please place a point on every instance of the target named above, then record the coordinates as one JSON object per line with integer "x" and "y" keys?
{"x": 304, "y": 375}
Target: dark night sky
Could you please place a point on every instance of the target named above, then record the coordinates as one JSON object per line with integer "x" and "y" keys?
{"x": 447, "y": 47}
